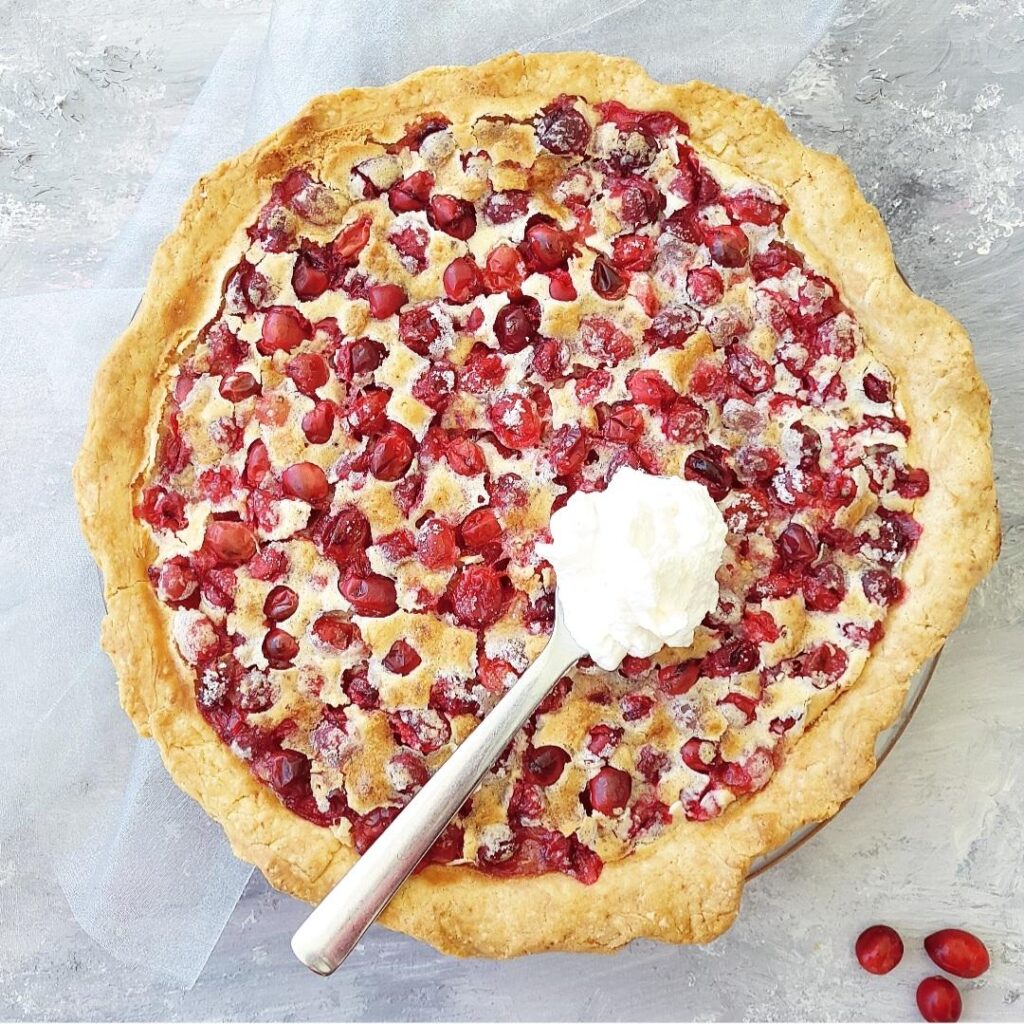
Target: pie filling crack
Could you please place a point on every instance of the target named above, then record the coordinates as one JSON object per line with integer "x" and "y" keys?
{"x": 419, "y": 344}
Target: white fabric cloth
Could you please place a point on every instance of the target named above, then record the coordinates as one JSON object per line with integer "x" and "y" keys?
{"x": 85, "y": 806}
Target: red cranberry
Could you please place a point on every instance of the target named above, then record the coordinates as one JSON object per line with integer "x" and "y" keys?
{"x": 310, "y": 278}
{"x": 411, "y": 770}
{"x": 307, "y": 481}
{"x": 371, "y": 595}
{"x": 958, "y": 952}
{"x": 284, "y": 328}
{"x": 451, "y": 698}
{"x": 879, "y": 949}
{"x": 341, "y": 534}
{"x": 435, "y": 386}
{"x": 419, "y": 329}
{"x": 425, "y": 731}
{"x": 608, "y": 791}
{"x": 672, "y": 327}
{"x": 734, "y": 656}
{"x": 561, "y": 129}
{"x": 728, "y": 245}
{"x": 600, "y": 337}
{"x": 350, "y": 242}
{"x": 709, "y": 470}
{"x": 227, "y": 350}
{"x": 408, "y": 492}
{"x": 238, "y": 386}
{"x": 796, "y": 545}
{"x": 367, "y": 412}
{"x": 658, "y": 122}
{"x": 881, "y": 587}
{"x": 503, "y": 269}
{"x": 938, "y": 1000}
{"x": 218, "y": 588}
{"x": 603, "y": 739}
{"x": 281, "y": 604}
{"x": 516, "y": 324}
{"x": 279, "y": 648}
{"x": 776, "y": 261}
{"x": 561, "y": 288}
{"x": 624, "y": 425}
{"x": 685, "y": 421}
{"x": 358, "y": 688}
{"x": 651, "y": 764}
{"x": 640, "y": 202}
{"x": 411, "y": 193}
{"x": 410, "y": 243}
{"x": 436, "y": 546}
{"x": 176, "y": 580}
{"x": 479, "y": 529}
{"x": 550, "y": 358}
{"x": 823, "y": 663}
{"x": 749, "y": 370}
{"x": 505, "y": 207}
{"x": 705, "y": 285}
{"x": 385, "y": 300}
{"x": 567, "y": 450}
{"x": 607, "y": 281}
{"x": 675, "y": 680}
{"x": 515, "y": 421}
{"x": 591, "y": 384}
{"x": 466, "y": 457}
{"x": 401, "y": 659}
{"x": 318, "y": 423}
{"x": 257, "y": 463}
{"x": 649, "y": 387}
{"x": 392, "y": 454}
{"x": 752, "y": 209}
{"x": 368, "y": 828}
{"x": 334, "y": 630}
{"x": 546, "y": 246}
{"x": 633, "y": 252}
{"x": 543, "y": 766}
{"x": 699, "y": 755}
{"x": 462, "y": 280}
{"x": 308, "y": 371}
{"x": 877, "y": 389}
{"x": 282, "y": 769}
{"x": 635, "y": 706}
{"x": 476, "y": 596}
{"x": 455, "y": 217}
{"x": 912, "y": 483}
{"x": 231, "y": 543}
{"x": 824, "y": 587}
{"x": 361, "y": 356}
{"x": 482, "y": 371}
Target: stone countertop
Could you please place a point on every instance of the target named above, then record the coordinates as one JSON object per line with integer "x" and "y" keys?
{"x": 925, "y": 100}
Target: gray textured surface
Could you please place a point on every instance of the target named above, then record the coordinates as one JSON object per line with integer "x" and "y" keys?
{"x": 925, "y": 100}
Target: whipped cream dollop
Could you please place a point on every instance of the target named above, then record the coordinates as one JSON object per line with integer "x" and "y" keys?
{"x": 636, "y": 564}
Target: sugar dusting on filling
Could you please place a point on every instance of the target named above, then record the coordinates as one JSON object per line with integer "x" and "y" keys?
{"x": 420, "y": 357}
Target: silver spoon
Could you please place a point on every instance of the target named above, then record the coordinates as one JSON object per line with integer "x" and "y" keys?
{"x": 333, "y": 929}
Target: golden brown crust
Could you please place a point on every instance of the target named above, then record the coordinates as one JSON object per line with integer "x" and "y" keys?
{"x": 685, "y": 887}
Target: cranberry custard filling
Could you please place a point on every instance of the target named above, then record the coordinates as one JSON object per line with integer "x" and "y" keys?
{"x": 410, "y": 369}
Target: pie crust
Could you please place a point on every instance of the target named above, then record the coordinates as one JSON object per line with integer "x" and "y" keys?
{"x": 686, "y": 886}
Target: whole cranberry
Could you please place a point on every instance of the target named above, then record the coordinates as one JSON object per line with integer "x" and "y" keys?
{"x": 938, "y": 1000}
{"x": 958, "y": 952}
{"x": 879, "y": 949}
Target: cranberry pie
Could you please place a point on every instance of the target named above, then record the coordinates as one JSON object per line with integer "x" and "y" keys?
{"x": 384, "y": 345}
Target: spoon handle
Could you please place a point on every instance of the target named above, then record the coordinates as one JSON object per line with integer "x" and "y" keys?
{"x": 332, "y": 930}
